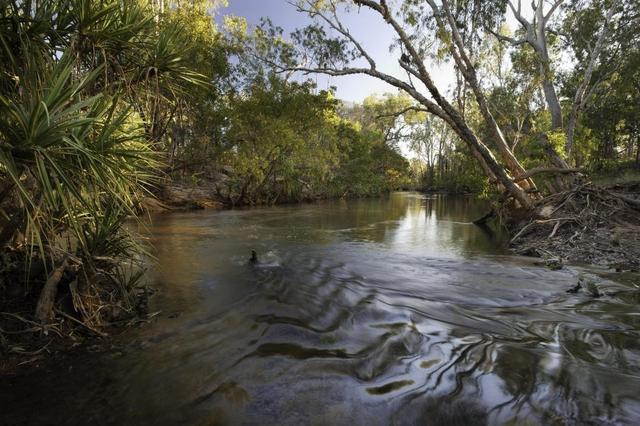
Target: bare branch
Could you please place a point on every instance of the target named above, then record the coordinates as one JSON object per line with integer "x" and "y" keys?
{"x": 430, "y": 106}
{"x": 409, "y": 69}
{"x": 403, "y": 111}
{"x": 336, "y": 24}
{"x": 422, "y": 72}
{"x": 517, "y": 14}
{"x": 512, "y": 41}
{"x": 551, "y": 11}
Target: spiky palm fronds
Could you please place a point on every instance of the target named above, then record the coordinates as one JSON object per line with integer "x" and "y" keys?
{"x": 81, "y": 84}
{"x": 65, "y": 154}
{"x": 72, "y": 72}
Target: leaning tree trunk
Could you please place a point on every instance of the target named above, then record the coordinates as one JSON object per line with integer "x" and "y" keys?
{"x": 551, "y": 98}
{"x": 438, "y": 105}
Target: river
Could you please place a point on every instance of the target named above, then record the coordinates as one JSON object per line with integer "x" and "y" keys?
{"x": 366, "y": 312}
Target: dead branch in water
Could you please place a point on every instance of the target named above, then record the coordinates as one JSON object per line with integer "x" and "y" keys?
{"x": 484, "y": 219}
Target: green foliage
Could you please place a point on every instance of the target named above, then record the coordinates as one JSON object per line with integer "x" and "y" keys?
{"x": 286, "y": 143}
{"x": 278, "y": 142}
{"x": 266, "y": 138}
{"x": 368, "y": 166}
{"x": 86, "y": 93}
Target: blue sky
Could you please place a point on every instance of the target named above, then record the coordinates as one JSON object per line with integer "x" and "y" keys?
{"x": 369, "y": 29}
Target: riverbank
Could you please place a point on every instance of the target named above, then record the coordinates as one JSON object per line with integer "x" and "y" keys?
{"x": 590, "y": 224}
{"x": 442, "y": 191}
{"x": 176, "y": 196}
{"x": 26, "y": 343}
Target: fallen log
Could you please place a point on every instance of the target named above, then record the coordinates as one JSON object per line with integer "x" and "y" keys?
{"x": 631, "y": 201}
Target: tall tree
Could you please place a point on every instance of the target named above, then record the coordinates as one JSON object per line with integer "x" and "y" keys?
{"x": 416, "y": 28}
{"x": 542, "y": 26}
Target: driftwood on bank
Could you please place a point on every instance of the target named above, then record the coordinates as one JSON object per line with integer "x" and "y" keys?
{"x": 586, "y": 224}
{"x": 484, "y": 219}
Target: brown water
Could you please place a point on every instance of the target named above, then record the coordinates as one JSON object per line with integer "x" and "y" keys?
{"x": 370, "y": 312}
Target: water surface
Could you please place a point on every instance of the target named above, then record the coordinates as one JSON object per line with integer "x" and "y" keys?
{"x": 366, "y": 312}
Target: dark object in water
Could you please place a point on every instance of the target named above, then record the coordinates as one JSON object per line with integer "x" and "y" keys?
{"x": 589, "y": 285}
{"x": 254, "y": 257}
{"x": 484, "y": 219}
{"x": 575, "y": 288}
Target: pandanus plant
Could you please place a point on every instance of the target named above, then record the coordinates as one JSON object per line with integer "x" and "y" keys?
{"x": 83, "y": 87}
{"x": 66, "y": 160}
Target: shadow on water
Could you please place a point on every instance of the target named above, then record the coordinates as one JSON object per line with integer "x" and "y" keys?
{"x": 373, "y": 312}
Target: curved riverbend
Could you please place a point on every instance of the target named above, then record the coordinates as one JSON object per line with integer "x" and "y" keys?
{"x": 368, "y": 312}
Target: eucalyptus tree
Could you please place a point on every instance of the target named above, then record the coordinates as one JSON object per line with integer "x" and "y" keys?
{"x": 417, "y": 28}
{"x": 586, "y": 27}
{"x": 454, "y": 30}
{"x": 613, "y": 95}
{"x": 610, "y": 127}
{"x": 392, "y": 115}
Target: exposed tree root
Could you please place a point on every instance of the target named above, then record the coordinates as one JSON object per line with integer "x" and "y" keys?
{"x": 586, "y": 224}
{"x": 73, "y": 302}
{"x": 44, "y": 308}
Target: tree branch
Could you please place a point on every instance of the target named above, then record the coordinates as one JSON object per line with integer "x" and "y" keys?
{"x": 517, "y": 14}
{"x": 579, "y": 98}
{"x": 555, "y": 5}
{"x": 336, "y": 24}
{"x": 403, "y": 111}
{"x": 512, "y": 41}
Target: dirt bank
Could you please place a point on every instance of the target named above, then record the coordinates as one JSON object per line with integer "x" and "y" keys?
{"x": 588, "y": 224}
{"x": 175, "y": 196}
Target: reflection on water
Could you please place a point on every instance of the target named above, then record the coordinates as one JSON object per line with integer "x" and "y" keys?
{"x": 372, "y": 312}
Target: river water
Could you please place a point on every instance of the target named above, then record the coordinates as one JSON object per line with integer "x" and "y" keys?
{"x": 369, "y": 312}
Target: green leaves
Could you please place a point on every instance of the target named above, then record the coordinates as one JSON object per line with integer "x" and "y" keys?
{"x": 321, "y": 49}
{"x": 74, "y": 156}
{"x": 280, "y": 135}
{"x": 65, "y": 152}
